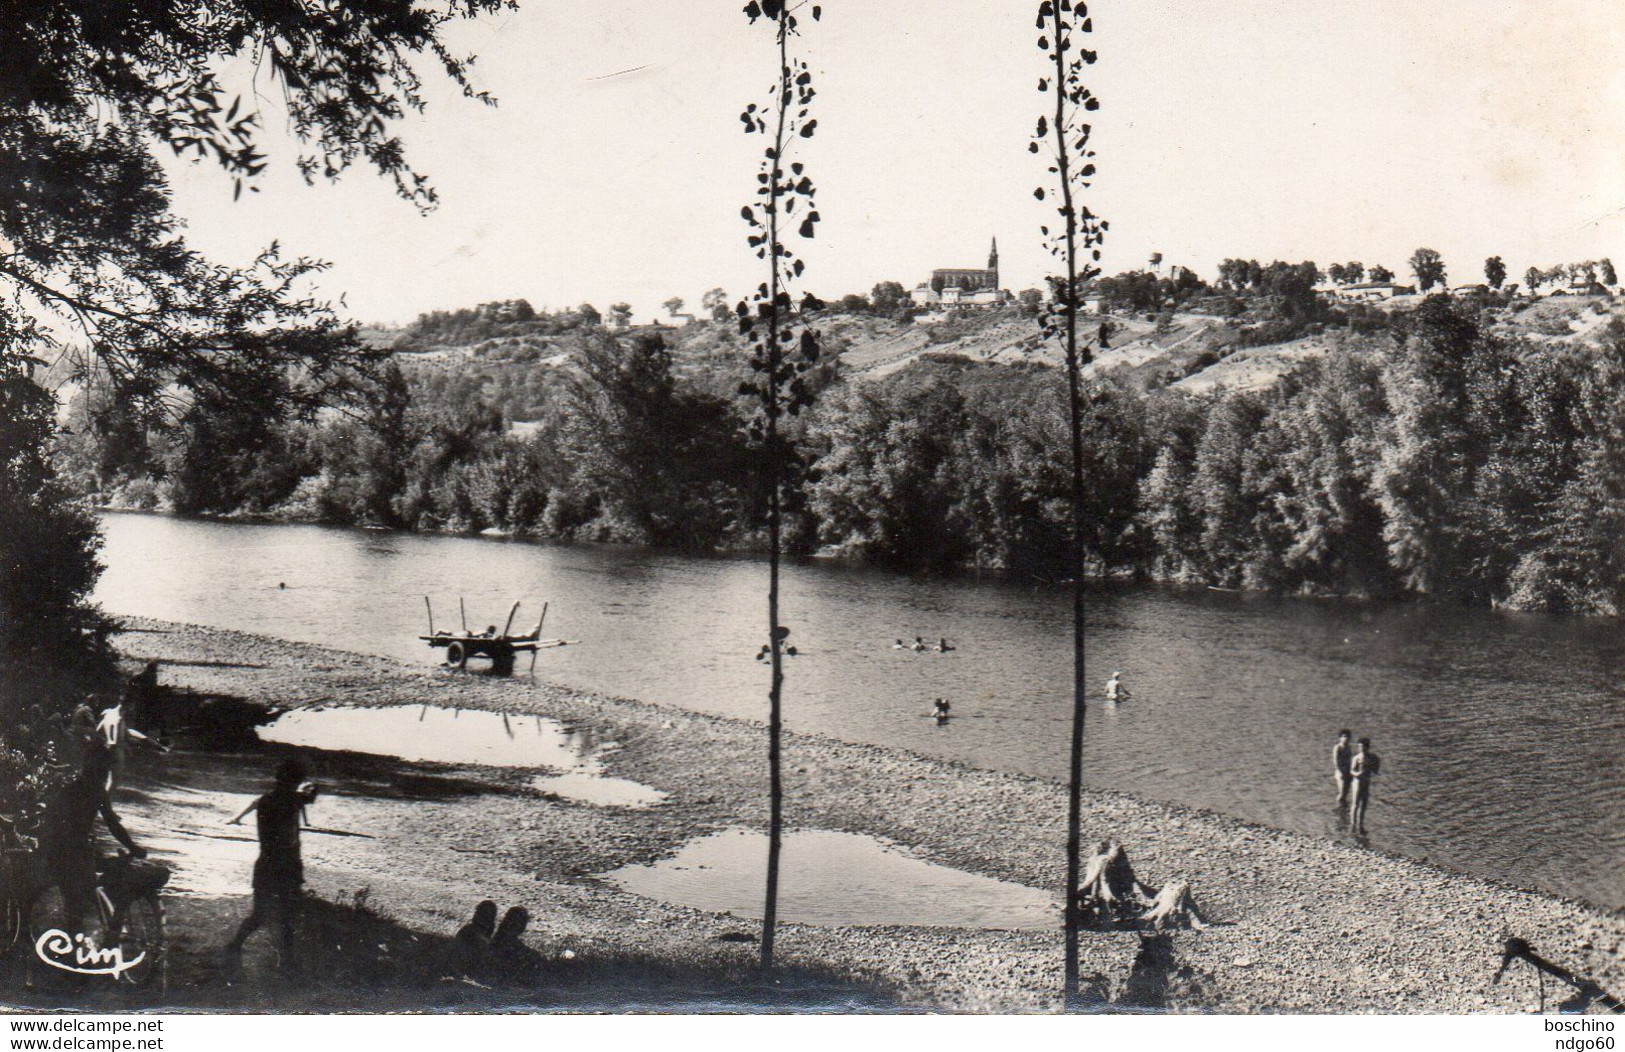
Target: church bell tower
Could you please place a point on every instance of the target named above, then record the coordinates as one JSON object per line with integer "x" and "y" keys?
{"x": 993, "y": 266}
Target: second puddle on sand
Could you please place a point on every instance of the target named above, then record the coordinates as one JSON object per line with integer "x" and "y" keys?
{"x": 841, "y": 879}
{"x": 571, "y": 758}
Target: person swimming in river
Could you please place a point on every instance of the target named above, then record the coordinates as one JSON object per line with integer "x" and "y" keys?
{"x": 919, "y": 645}
{"x": 943, "y": 646}
{"x": 899, "y": 645}
{"x": 939, "y": 709}
{"x": 1115, "y": 691}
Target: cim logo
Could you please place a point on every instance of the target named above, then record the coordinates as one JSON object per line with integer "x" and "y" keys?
{"x": 77, "y": 954}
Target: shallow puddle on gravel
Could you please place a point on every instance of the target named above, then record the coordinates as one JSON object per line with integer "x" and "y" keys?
{"x": 571, "y": 757}
{"x": 842, "y": 879}
{"x": 589, "y": 788}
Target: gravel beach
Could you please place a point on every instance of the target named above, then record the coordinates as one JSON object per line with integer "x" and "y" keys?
{"x": 1303, "y": 925}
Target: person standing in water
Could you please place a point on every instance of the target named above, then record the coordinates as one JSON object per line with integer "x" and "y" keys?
{"x": 1342, "y": 755}
{"x": 279, "y": 872}
{"x": 1362, "y": 769}
{"x": 1115, "y": 691}
{"x": 940, "y": 708}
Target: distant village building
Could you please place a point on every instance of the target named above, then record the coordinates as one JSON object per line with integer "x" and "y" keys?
{"x": 954, "y": 288}
{"x": 1373, "y": 290}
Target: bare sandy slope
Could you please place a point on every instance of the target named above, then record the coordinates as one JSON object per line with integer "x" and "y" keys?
{"x": 1308, "y": 926}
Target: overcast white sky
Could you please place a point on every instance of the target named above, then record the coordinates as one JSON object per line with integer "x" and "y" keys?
{"x": 1328, "y": 130}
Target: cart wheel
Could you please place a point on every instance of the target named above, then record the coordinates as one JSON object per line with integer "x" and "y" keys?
{"x": 456, "y": 655}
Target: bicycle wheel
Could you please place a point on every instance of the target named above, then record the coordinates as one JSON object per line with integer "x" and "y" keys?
{"x": 143, "y": 942}
{"x": 50, "y": 920}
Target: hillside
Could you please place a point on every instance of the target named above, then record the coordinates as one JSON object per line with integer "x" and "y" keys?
{"x": 1196, "y": 353}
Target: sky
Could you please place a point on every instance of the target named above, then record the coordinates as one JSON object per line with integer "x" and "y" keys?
{"x": 1331, "y": 130}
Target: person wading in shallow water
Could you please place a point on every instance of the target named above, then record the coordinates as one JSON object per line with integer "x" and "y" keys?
{"x": 1342, "y": 756}
{"x": 279, "y": 873}
{"x": 1362, "y": 769}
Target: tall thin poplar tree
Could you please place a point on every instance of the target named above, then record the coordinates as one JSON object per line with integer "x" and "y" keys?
{"x": 1063, "y": 133}
{"x": 783, "y": 349}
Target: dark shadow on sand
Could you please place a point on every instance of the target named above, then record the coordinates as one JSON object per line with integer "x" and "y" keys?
{"x": 353, "y": 959}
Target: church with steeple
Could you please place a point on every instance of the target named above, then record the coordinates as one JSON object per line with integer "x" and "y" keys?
{"x": 951, "y": 287}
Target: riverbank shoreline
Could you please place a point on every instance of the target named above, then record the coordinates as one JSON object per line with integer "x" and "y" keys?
{"x": 1095, "y": 574}
{"x": 1305, "y": 925}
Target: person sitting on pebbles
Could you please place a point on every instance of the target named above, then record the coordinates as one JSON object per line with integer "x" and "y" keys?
{"x": 472, "y": 944}
{"x": 511, "y": 961}
{"x": 1174, "y": 907}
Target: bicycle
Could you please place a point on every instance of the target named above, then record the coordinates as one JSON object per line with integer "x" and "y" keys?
{"x": 39, "y": 924}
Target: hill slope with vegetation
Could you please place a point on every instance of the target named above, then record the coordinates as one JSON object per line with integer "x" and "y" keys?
{"x": 1459, "y": 450}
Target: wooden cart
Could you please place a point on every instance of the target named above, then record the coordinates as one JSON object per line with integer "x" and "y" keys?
{"x": 501, "y": 648}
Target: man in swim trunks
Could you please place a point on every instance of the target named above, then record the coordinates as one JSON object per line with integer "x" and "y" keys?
{"x": 1342, "y": 754}
{"x": 1362, "y": 769}
{"x": 1115, "y": 691}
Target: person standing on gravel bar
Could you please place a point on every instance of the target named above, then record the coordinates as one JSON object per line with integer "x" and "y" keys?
{"x": 1342, "y": 755}
{"x": 279, "y": 872}
{"x": 1362, "y": 769}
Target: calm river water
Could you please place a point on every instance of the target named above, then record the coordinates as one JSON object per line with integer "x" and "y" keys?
{"x": 1502, "y": 736}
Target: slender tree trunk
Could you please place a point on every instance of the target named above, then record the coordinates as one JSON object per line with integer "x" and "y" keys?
{"x": 775, "y": 775}
{"x": 775, "y": 698}
{"x": 1074, "y": 786}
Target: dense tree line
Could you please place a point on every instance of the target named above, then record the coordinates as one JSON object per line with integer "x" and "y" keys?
{"x": 1436, "y": 459}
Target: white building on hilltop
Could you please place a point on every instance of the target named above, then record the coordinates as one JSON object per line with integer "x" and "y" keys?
{"x": 955, "y": 289}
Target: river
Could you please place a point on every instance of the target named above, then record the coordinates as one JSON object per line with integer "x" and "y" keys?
{"x": 1502, "y": 736}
